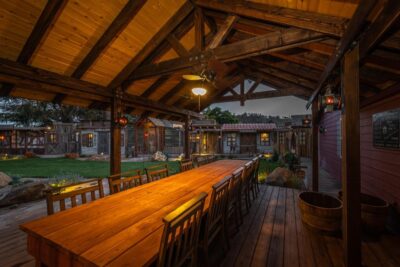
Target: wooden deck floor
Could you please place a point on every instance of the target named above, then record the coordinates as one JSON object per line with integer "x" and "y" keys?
{"x": 273, "y": 235}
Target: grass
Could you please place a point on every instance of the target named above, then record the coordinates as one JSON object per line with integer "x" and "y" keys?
{"x": 50, "y": 168}
{"x": 265, "y": 168}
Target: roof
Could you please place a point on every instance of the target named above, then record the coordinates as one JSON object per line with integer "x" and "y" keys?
{"x": 248, "y": 127}
{"x": 146, "y": 46}
{"x": 165, "y": 123}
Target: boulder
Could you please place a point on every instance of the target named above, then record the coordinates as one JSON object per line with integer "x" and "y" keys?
{"x": 159, "y": 156}
{"x": 4, "y": 179}
{"x": 22, "y": 193}
{"x": 279, "y": 176}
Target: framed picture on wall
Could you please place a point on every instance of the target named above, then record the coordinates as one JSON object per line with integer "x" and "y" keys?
{"x": 386, "y": 126}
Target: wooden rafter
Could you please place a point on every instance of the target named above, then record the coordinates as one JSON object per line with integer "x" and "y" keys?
{"x": 160, "y": 81}
{"x": 153, "y": 43}
{"x": 352, "y": 32}
{"x": 199, "y": 30}
{"x": 252, "y": 96}
{"x": 285, "y": 16}
{"x": 223, "y": 31}
{"x": 124, "y": 17}
{"x": 243, "y": 49}
{"x": 177, "y": 46}
{"x": 42, "y": 80}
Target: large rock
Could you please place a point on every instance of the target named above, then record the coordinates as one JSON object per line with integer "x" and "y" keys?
{"x": 4, "y": 179}
{"x": 159, "y": 156}
{"x": 279, "y": 176}
{"x": 27, "y": 192}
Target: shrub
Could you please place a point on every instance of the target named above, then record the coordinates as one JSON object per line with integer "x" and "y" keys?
{"x": 30, "y": 154}
{"x": 72, "y": 155}
{"x": 291, "y": 160}
{"x": 275, "y": 156}
{"x": 65, "y": 179}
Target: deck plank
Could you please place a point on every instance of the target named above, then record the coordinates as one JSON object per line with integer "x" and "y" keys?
{"x": 291, "y": 250}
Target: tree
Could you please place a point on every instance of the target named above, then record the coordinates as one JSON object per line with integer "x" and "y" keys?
{"x": 221, "y": 116}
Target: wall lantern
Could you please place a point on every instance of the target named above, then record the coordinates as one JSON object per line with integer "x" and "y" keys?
{"x": 146, "y": 134}
{"x": 306, "y": 121}
{"x": 121, "y": 121}
{"x": 2, "y": 138}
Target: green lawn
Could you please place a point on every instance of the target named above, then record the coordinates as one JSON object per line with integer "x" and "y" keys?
{"x": 50, "y": 168}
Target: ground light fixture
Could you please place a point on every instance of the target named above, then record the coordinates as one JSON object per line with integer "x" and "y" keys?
{"x": 199, "y": 91}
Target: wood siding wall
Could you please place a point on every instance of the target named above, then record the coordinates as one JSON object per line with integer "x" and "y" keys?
{"x": 380, "y": 168}
{"x": 329, "y": 156}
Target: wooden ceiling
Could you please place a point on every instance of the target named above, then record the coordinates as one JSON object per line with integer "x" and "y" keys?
{"x": 76, "y": 52}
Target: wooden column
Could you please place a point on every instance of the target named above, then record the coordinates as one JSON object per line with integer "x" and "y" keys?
{"x": 315, "y": 159}
{"x": 351, "y": 159}
{"x": 115, "y": 153}
{"x": 187, "y": 138}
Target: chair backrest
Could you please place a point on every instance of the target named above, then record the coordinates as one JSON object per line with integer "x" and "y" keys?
{"x": 157, "y": 172}
{"x": 236, "y": 183}
{"x": 217, "y": 212}
{"x": 186, "y": 165}
{"x": 200, "y": 161}
{"x": 123, "y": 181}
{"x": 247, "y": 171}
{"x": 74, "y": 192}
{"x": 256, "y": 162}
{"x": 181, "y": 233}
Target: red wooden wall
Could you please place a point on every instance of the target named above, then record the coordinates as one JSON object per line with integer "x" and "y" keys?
{"x": 329, "y": 156}
{"x": 380, "y": 168}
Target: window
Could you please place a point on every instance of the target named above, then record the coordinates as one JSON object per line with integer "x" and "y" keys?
{"x": 52, "y": 138}
{"x": 281, "y": 138}
{"x": 264, "y": 139}
{"x": 231, "y": 139}
{"x": 302, "y": 138}
{"x": 87, "y": 139}
{"x": 171, "y": 137}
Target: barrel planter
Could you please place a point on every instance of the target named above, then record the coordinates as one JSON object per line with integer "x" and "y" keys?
{"x": 374, "y": 212}
{"x": 320, "y": 211}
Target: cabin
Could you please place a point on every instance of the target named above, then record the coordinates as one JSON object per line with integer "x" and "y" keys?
{"x": 172, "y": 59}
{"x": 19, "y": 140}
{"x": 248, "y": 138}
{"x": 205, "y": 137}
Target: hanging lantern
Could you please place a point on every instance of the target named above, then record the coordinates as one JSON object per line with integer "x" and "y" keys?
{"x": 329, "y": 100}
{"x": 306, "y": 121}
{"x": 121, "y": 121}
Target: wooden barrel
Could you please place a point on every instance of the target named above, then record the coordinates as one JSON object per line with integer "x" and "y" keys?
{"x": 320, "y": 211}
{"x": 374, "y": 212}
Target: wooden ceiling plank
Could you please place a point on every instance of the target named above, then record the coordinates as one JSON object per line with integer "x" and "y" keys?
{"x": 154, "y": 42}
{"x": 160, "y": 81}
{"x": 285, "y": 16}
{"x": 173, "y": 91}
{"x": 384, "y": 94}
{"x": 223, "y": 32}
{"x": 352, "y": 32}
{"x": 275, "y": 41}
{"x": 49, "y": 15}
{"x": 122, "y": 20}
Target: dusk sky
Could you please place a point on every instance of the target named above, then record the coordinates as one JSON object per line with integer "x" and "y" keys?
{"x": 282, "y": 106}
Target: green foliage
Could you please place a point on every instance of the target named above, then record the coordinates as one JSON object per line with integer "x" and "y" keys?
{"x": 291, "y": 160}
{"x": 265, "y": 168}
{"x": 275, "y": 156}
{"x": 65, "y": 179}
{"x": 221, "y": 116}
{"x": 44, "y": 168}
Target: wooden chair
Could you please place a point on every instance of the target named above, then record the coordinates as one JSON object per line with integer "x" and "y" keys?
{"x": 216, "y": 217}
{"x": 157, "y": 172}
{"x": 255, "y": 184}
{"x": 235, "y": 198}
{"x": 73, "y": 192}
{"x": 180, "y": 239}
{"x": 200, "y": 161}
{"x": 123, "y": 181}
{"x": 186, "y": 165}
{"x": 246, "y": 184}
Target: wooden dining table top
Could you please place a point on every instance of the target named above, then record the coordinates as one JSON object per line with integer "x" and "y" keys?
{"x": 123, "y": 229}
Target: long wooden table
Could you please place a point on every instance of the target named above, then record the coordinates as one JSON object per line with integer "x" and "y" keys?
{"x": 124, "y": 229}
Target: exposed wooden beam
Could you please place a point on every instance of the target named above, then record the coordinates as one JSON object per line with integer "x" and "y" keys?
{"x": 314, "y": 148}
{"x": 160, "y": 81}
{"x": 275, "y": 41}
{"x": 59, "y": 98}
{"x": 223, "y": 32}
{"x": 173, "y": 91}
{"x": 353, "y": 30}
{"x": 177, "y": 46}
{"x": 124, "y": 17}
{"x": 257, "y": 95}
{"x": 253, "y": 87}
{"x": 242, "y": 95}
{"x": 47, "y": 18}
{"x": 153, "y": 43}
{"x": 384, "y": 94}
{"x": 6, "y": 89}
{"x": 43, "y": 80}
{"x": 285, "y": 16}
{"x": 199, "y": 31}
{"x": 115, "y": 130}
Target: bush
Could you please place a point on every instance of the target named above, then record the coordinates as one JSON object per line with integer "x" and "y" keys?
{"x": 291, "y": 160}
{"x": 65, "y": 179}
{"x": 30, "y": 154}
{"x": 275, "y": 156}
{"x": 72, "y": 155}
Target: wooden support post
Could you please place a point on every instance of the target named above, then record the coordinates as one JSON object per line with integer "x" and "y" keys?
{"x": 351, "y": 159}
{"x": 116, "y": 111}
{"x": 187, "y": 138}
{"x": 315, "y": 159}
{"x": 242, "y": 96}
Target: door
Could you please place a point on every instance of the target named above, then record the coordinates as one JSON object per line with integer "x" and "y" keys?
{"x": 248, "y": 143}
{"x": 103, "y": 141}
